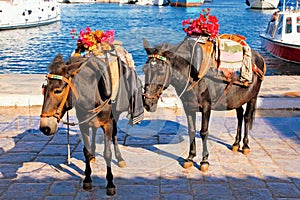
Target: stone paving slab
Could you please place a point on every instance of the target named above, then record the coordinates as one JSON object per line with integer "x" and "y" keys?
{"x": 35, "y": 166}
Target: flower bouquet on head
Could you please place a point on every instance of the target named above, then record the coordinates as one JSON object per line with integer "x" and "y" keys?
{"x": 95, "y": 42}
{"x": 205, "y": 25}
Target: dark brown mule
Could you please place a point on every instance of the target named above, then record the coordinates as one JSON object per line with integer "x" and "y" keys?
{"x": 84, "y": 83}
{"x": 168, "y": 64}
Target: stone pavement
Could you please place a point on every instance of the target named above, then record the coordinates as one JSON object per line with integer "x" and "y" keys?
{"x": 34, "y": 166}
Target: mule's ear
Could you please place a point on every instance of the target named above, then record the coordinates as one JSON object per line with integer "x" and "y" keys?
{"x": 56, "y": 63}
{"x": 146, "y": 45}
{"x": 58, "y": 59}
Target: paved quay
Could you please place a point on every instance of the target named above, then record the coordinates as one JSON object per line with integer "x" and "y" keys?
{"x": 34, "y": 166}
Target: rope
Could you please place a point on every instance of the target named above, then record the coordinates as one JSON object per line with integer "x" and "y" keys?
{"x": 96, "y": 110}
{"x": 189, "y": 73}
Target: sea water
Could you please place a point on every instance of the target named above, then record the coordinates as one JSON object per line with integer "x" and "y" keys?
{"x": 31, "y": 50}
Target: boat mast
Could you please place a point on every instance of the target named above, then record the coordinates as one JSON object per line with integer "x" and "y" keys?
{"x": 283, "y": 7}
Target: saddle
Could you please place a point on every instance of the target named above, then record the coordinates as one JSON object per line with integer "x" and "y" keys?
{"x": 111, "y": 54}
{"x": 231, "y": 57}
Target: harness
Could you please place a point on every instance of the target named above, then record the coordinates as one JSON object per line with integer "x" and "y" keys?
{"x": 159, "y": 92}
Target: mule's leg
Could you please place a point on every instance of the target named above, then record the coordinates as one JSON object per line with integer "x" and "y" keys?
{"x": 93, "y": 144}
{"x": 121, "y": 161}
{"x": 191, "y": 118}
{"x": 86, "y": 140}
{"x": 107, "y": 129}
{"x": 87, "y": 182}
{"x": 204, "y": 136}
{"x": 248, "y": 117}
{"x": 239, "y": 114}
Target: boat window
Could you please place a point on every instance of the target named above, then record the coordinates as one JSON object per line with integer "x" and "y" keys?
{"x": 288, "y": 27}
{"x": 298, "y": 24}
{"x": 279, "y": 29}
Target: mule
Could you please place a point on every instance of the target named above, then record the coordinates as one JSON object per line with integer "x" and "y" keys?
{"x": 170, "y": 65}
{"x": 84, "y": 83}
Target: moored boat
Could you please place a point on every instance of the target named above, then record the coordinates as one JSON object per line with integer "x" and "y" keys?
{"x": 186, "y": 3}
{"x": 161, "y": 2}
{"x": 282, "y": 36}
{"x": 262, "y": 4}
{"x": 27, "y": 13}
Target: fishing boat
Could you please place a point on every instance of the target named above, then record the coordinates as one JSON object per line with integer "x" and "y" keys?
{"x": 27, "y": 13}
{"x": 262, "y": 4}
{"x": 186, "y": 3}
{"x": 282, "y": 36}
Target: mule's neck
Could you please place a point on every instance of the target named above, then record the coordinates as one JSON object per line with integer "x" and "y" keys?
{"x": 180, "y": 78}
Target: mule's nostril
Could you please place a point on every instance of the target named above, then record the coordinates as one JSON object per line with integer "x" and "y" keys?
{"x": 46, "y": 130}
{"x": 147, "y": 107}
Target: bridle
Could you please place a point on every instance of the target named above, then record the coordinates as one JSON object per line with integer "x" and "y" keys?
{"x": 159, "y": 92}
{"x": 57, "y": 113}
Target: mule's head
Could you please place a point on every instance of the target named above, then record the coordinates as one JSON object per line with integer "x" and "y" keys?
{"x": 157, "y": 72}
{"x": 57, "y": 95}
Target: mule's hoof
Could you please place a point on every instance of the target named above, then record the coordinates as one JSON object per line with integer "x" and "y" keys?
{"x": 87, "y": 186}
{"x": 188, "y": 164}
{"x": 110, "y": 191}
{"x": 235, "y": 148}
{"x": 204, "y": 166}
{"x": 122, "y": 164}
{"x": 246, "y": 151}
{"x": 93, "y": 159}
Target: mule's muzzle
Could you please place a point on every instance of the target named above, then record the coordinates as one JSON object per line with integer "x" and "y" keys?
{"x": 150, "y": 104}
{"x": 48, "y": 125}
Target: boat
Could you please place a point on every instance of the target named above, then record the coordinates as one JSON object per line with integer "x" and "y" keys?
{"x": 161, "y": 2}
{"x": 262, "y": 4}
{"x": 186, "y": 3}
{"x": 77, "y": 1}
{"x": 27, "y": 13}
{"x": 282, "y": 36}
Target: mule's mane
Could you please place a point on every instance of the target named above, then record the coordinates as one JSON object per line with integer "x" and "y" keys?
{"x": 59, "y": 67}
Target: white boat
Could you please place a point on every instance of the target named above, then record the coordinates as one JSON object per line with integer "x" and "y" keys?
{"x": 161, "y": 2}
{"x": 144, "y": 2}
{"x": 262, "y": 4}
{"x": 77, "y": 1}
{"x": 27, "y": 13}
{"x": 282, "y": 36}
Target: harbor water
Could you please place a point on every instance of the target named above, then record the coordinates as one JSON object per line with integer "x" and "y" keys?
{"x": 31, "y": 50}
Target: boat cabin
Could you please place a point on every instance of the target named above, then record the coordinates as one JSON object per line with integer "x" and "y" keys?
{"x": 284, "y": 25}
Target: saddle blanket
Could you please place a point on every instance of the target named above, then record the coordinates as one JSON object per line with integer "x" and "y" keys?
{"x": 231, "y": 55}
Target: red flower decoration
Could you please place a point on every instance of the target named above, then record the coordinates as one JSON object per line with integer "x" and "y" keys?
{"x": 205, "y": 24}
{"x": 89, "y": 39}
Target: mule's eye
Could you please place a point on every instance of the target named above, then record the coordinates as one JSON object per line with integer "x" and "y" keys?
{"x": 57, "y": 91}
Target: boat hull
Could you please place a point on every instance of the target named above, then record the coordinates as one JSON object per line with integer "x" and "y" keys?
{"x": 186, "y": 3}
{"x": 283, "y": 51}
{"x": 28, "y": 15}
{"x": 263, "y": 4}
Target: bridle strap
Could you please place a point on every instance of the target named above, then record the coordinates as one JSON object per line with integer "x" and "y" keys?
{"x": 68, "y": 81}
{"x": 162, "y": 58}
{"x": 71, "y": 86}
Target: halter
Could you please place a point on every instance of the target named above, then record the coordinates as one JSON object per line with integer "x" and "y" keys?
{"x": 70, "y": 85}
{"x": 159, "y": 92}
